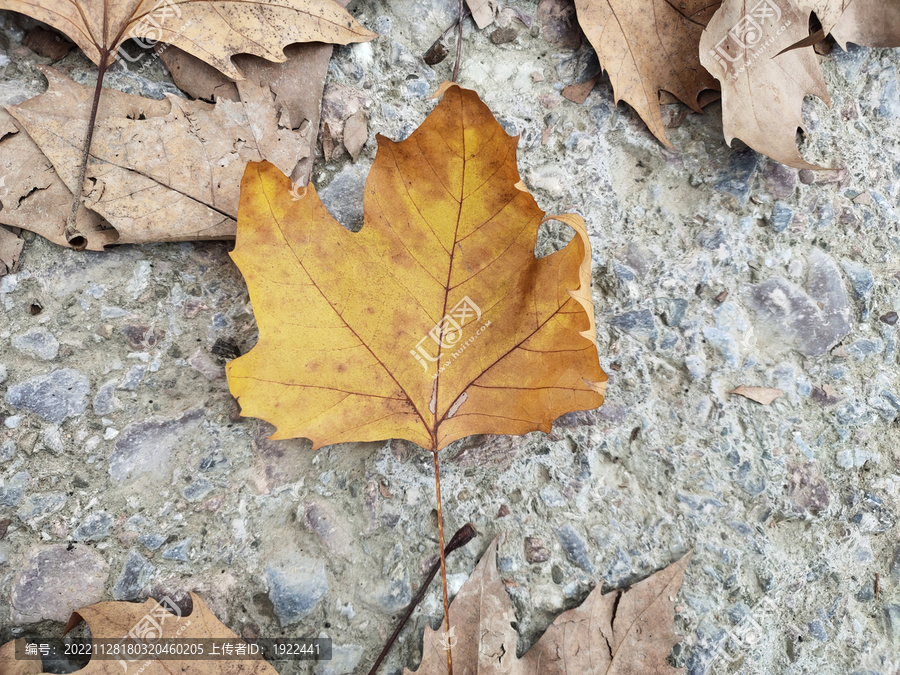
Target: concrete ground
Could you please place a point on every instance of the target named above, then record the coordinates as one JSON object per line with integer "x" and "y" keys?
{"x": 119, "y": 433}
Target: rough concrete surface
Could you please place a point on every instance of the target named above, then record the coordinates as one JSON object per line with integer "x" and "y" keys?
{"x": 713, "y": 268}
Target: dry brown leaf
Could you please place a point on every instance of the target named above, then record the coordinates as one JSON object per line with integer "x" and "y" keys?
{"x": 764, "y": 395}
{"x": 762, "y": 96}
{"x": 435, "y": 321}
{"x": 356, "y": 133}
{"x": 211, "y": 30}
{"x": 870, "y": 23}
{"x": 619, "y": 632}
{"x": 578, "y": 93}
{"x": 10, "y": 249}
{"x": 10, "y": 665}
{"x": 649, "y": 46}
{"x": 115, "y": 620}
{"x": 160, "y": 170}
{"x": 33, "y": 197}
{"x": 297, "y": 83}
{"x": 483, "y": 11}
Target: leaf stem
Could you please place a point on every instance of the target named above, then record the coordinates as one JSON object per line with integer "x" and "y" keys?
{"x": 463, "y": 536}
{"x": 76, "y": 239}
{"x": 453, "y": 79}
{"x": 437, "y": 488}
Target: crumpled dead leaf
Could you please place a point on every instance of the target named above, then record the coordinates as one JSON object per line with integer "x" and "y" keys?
{"x": 445, "y": 261}
{"x": 648, "y": 47}
{"x": 762, "y": 94}
{"x": 483, "y": 11}
{"x": 212, "y": 31}
{"x": 618, "y": 632}
{"x": 869, "y": 23}
{"x": 160, "y": 170}
{"x": 356, "y": 133}
{"x": 33, "y": 197}
{"x": 114, "y": 620}
{"x": 10, "y": 665}
{"x": 764, "y": 395}
{"x": 298, "y": 84}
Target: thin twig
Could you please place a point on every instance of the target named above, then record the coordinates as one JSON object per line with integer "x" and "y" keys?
{"x": 463, "y": 536}
{"x": 453, "y": 79}
{"x": 76, "y": 239}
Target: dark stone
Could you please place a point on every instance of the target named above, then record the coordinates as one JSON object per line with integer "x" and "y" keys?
{"x": 145, "y": 447}
{"x": 56, "y": 580}
{"x": 36, "y": 343}
{"x": 225, "y": 350}
{"x": 134, "y": 578}
{"x": 54, "y": 397}
{"x": 13, "y": 489}
{"x": 535, "y": 553}
{"x": 40, "y": 505}
{"x": 807, "y": 490}
{"x": 95, "y": 527}
{"x": 214, "y": 460}
{"x": 861, "y": 279}
{"x": 295, "y": 590}
{"x": 578, "y": 418}
{"x": 47, "y": 43}
{"x": 133, "y": 378}
{"x": 152, "y": 541}
{"x": 810, "y": 322}
{"x": 735, "y": 179}
{"x": 890, "y": 318}
{"x": 502, "y": 36}
{"x": 143, "y": 337}
{"x": 179, "y": 551}
{"x": 559, "y": 24}
{"x": 674, "y": 311}
{"x": 638, "y": 324}
{"x": 197, "y": 490}
{"x": 105, "y": 402}
{"x": 782, "y": 216}
{"x": 817, "y": 630}
{"x": 574, "y": 547}
{"x": 780, "y": 179}
{"x": 825, "y": 398}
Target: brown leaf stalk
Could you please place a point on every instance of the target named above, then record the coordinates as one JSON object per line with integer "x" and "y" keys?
{"x": 463, "y": 536}
{"x": 76, "y": 239}
{"x": 440, "y": 517}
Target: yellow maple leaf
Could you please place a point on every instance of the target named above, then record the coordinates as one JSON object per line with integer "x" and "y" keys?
{"x": 432, "y": 323}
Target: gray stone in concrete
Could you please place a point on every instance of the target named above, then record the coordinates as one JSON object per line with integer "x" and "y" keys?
{"x": 37, "y": 343}
{"x": 56, "y": 580}
{"x": 54, "y": 397}
{"x": 296, "y": 589}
